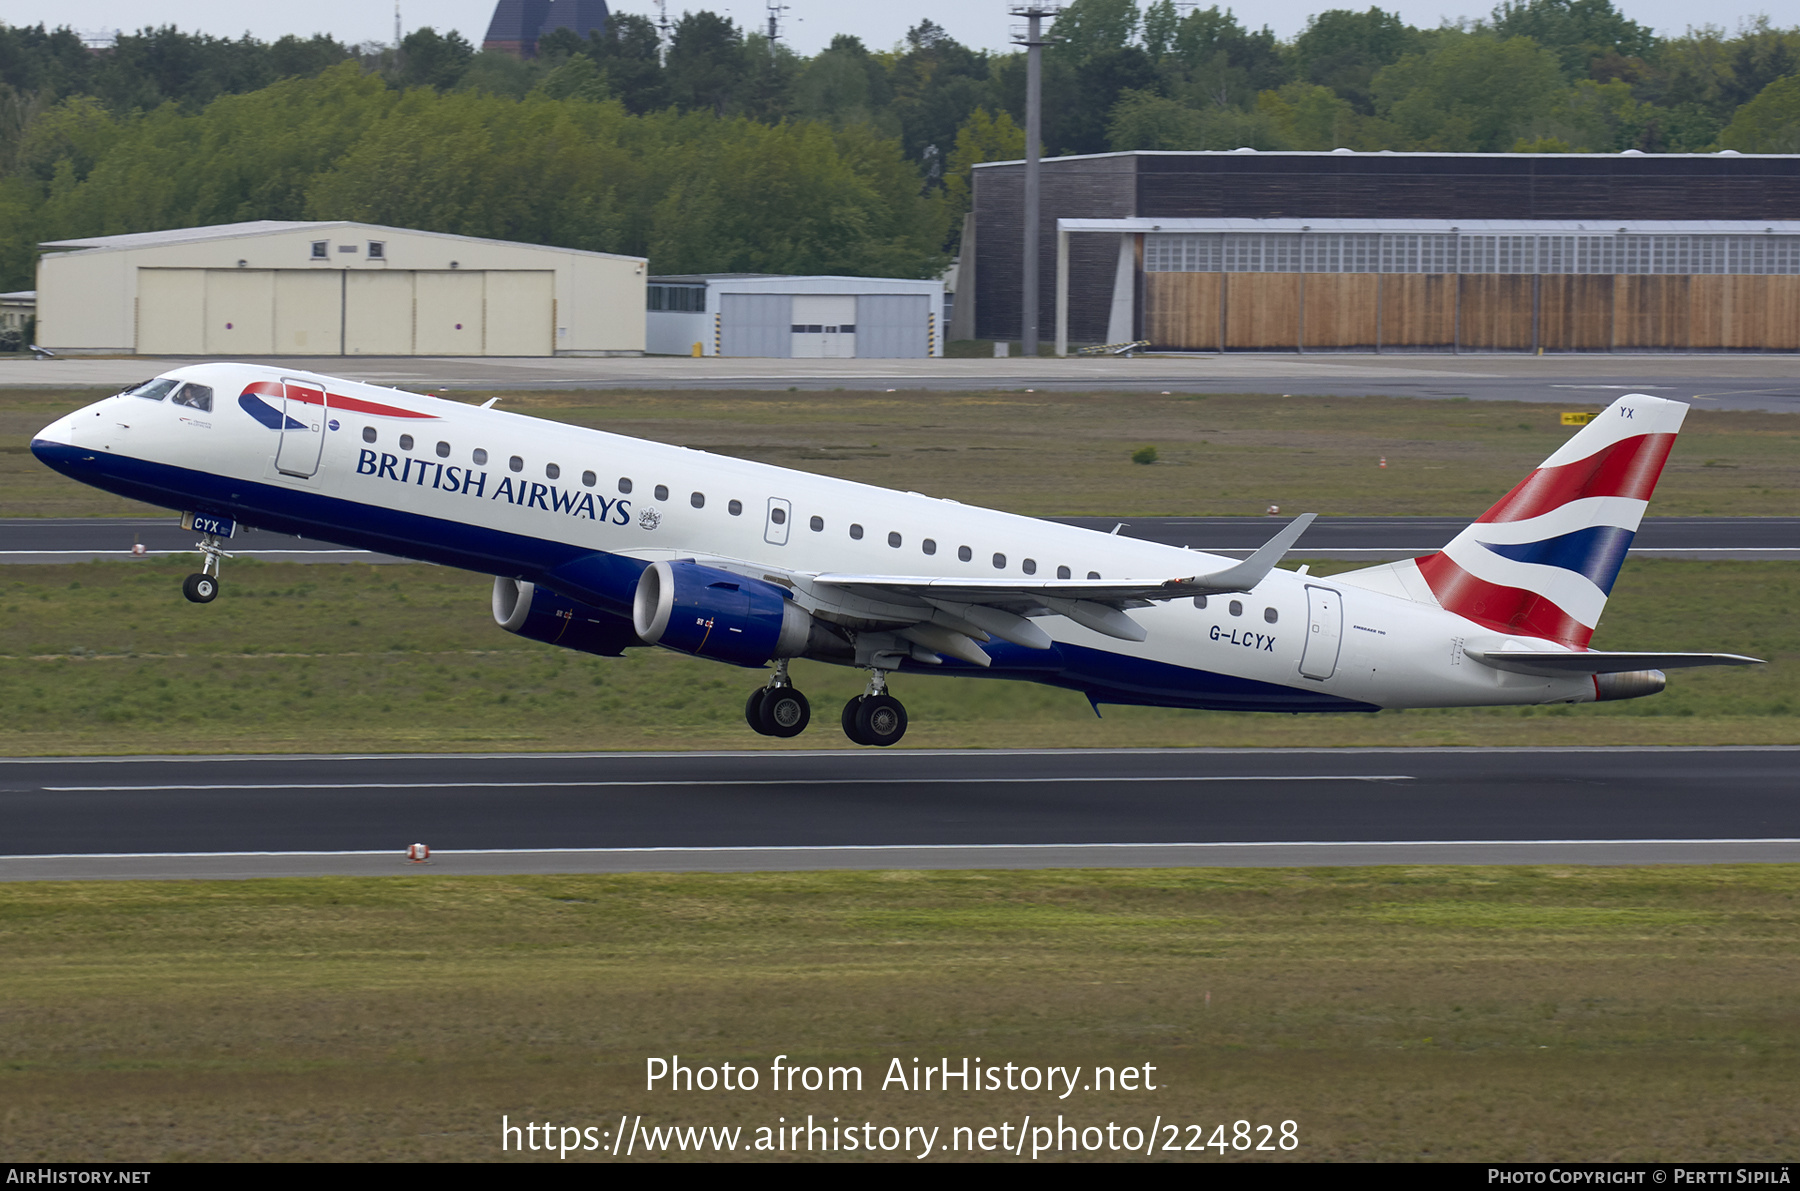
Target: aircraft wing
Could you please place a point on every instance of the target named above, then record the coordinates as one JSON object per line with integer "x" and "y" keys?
{"x": 1557, "y": 664}
{"x": 980, "y": 608}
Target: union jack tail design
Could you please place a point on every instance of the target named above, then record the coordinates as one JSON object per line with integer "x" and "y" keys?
{"x": 1542, "y": 561}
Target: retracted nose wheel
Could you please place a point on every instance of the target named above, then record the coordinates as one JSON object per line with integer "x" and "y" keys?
{"x": 785, "y": 712}
{"x": 201, "y": 589}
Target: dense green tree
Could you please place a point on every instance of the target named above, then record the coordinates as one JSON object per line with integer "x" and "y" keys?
{"x": 430, "y": 60}
{"x": 1342, "y": 50}
{"x": 1576, "y": 31}
{"x": 628, "y": 51}
{"x": 1468, "y": 94}
{"x": 1310, "y": 116}
{"x": 706, "y": 63}
{"x": 1770, "y": 123}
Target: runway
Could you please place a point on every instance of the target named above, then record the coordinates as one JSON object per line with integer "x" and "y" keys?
{"x": 313, "y": 815}
{"x": 1374, "y": 539}
{"x": 1736, "y": 382}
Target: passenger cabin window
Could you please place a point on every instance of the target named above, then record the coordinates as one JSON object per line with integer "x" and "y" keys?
{"x": 624, "y": 485}
{"x": 964, "y": 553}
{"x": 369, "y": 436}
{"x": 698, "y": 500}
{"x": 1236, "y": 607}
{"x": 1199, "y": 601}
{"x": 928, "y": 546}
{"x": 818, "y": 524}
{"x": 735, "y": 508}
{"x": 778, "y": 515}
{"x": 662, "y": 492}
{"x": 153, "y": 390}
{"x": 406, "y": 442}
{"x": 1270, "y": 615}
{"x": 1093, "y": 574}
{"x": 552, "y": 471}
{"x": 194, "y": 397}
{"x": 856, "y": 532}
{"x": 515, "y": 463}
{"x": 1029, "y": 566}
{"x": 479, "y": 455}
{"x": 1062, "y": 573}
{"x": 443, "y": 450}
{"x": 894, "y": 540}
{"x": 999, "y": 562}
{"x": 589, "y": 479}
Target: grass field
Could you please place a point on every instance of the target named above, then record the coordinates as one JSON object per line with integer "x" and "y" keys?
{"x": 1051, "y": 454}
{"x": 108, "y": 658}
{"x": 1542, "y": 1014}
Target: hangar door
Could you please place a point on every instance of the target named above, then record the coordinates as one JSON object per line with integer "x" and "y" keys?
{"x": 756, "y": 325}
{"x": 329, "y": 312}
{"x": 893, "y": 326}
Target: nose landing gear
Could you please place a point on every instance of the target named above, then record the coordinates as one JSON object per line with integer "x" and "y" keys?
{"x": 203, "y": 588}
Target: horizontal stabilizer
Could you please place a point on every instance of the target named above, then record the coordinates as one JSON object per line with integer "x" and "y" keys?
{"x": 1557, "y": 664}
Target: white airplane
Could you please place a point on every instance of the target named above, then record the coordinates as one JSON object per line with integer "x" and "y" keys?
{"x": 600, "y": 542}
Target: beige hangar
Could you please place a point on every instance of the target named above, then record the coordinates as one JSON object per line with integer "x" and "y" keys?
{"x": 278, "y": 288}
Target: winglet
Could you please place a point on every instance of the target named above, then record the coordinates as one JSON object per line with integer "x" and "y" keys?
{"x": 1247, "y": 574}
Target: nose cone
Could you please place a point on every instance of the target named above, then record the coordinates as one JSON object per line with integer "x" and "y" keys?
{"x": 55, "y": 447}
{"x": 60, "y": 433}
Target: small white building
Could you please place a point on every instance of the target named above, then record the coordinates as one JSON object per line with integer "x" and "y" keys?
{"x": 758, "y": 314}
{"x": 16, "y": 310}
{"x": 336, "y": 288}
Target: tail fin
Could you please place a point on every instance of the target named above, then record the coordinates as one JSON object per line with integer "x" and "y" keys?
{"x": 1542, "y": 561}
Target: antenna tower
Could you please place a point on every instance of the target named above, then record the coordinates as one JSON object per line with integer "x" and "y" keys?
{"x": 776, "y": 8}
{"x": 396, "y": 24}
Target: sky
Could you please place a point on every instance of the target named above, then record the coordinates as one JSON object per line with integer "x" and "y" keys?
{"x": 808, "y": 25}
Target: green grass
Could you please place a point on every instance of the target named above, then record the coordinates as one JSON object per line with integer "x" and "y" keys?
{"x": 108, "y": 658}
{"x": 1054, "y": 454}
{"x": 1494, "y": 1014}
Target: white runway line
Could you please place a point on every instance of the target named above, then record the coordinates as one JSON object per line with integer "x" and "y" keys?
{"x": 834, "y": 781}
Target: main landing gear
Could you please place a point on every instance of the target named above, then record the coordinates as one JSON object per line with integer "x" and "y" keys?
{"x": 874, "y": 718}
{"x": 203, "y": 588}
{"x": 778, "y": 709}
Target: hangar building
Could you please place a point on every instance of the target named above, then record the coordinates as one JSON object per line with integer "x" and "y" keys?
{"x": 274, "y": 288}
{"x": 1221, "y": 251}
{"x": 759, "y": 314}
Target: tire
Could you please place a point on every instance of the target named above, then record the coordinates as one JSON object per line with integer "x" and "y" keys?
{"x": 201, "y": 589}
{"x": 848, "y": 719}
{"x": 753, "y": 710}
{"x": 881, "y": 721}
{"x": 785, "y": 713}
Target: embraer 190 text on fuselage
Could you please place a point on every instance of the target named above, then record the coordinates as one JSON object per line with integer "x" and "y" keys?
{"x": 601, "y": 542}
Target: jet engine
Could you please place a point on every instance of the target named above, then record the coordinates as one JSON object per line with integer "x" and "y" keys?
{"x": 542, "y": 615}
{"x": 716, "y": 614}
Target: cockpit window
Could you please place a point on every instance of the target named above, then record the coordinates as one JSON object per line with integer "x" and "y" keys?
{"x": 194, "y": 397}
{"x": 154, "y": 390}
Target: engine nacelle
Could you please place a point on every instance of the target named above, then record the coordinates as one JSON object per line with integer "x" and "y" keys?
{"x": 542, "y": 615}
{"x": 716, "y": 614}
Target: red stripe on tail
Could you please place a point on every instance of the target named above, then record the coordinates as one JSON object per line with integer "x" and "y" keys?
{"x": 1507, "y": 609}
{"x": 1629, "y": 467}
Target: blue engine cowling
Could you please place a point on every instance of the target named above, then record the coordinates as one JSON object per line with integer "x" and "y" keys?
{"x": 716, "y": 614}
{"x": 542, "y": 615}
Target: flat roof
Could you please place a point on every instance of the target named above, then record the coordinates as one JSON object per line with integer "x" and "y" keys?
{"x": 1505, "y": 227}
{"x": 1630, "y": 154}
{"x": 20, "y": 295}
{"x": 264, "y": 227}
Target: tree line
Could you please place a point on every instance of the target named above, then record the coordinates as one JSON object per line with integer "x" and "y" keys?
{"x": 723, "y": 151}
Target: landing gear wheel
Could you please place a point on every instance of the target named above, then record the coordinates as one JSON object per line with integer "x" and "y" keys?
{"x": 201, "y": 589}
{"x": 785, "y": 712}
{"x": 753, "y": 710}
{"x": 880, "y": 720}
{"x": 848, "y": 719}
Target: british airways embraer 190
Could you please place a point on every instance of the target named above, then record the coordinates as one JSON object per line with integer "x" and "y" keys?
{"x": 600, "y": 542}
